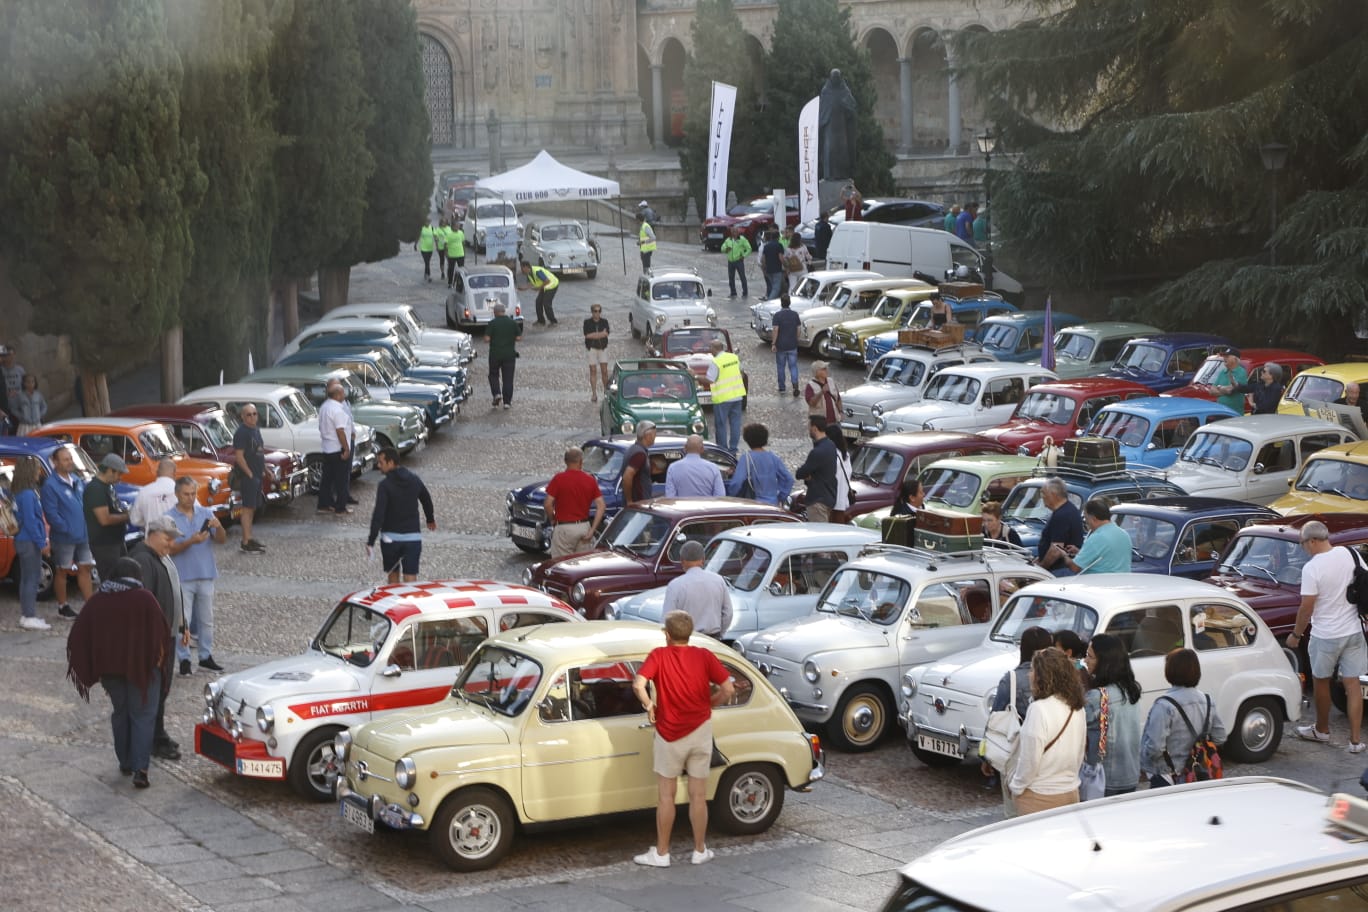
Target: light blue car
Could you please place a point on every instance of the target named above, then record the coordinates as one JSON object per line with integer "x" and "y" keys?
{"x": 1019, "y": 336}
{"x": 1152, "y": 431}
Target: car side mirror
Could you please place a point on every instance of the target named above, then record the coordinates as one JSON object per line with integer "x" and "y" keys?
{"x": 1215, "y": 555}
{"x": 987, "y": 400}
{"x": 134, "y": 457}
{"x": 775, "y": 589}
{"x": 1259, "y": 468}
{"x": 390, "y": 671}
{"x": 1151, "y": 445}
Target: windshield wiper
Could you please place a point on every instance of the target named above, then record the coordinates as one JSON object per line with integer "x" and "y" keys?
{"x": 1210, "y": 460}
{"x": 1265, "y": 571}
{"x": 1238, "y": 571}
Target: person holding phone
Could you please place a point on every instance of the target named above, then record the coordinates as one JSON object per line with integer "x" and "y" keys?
{"x": 193, "y": 556}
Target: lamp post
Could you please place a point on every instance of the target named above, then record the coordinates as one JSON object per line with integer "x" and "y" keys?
{"x": 987, "y": 142}
{"x": 1274, "y": 157}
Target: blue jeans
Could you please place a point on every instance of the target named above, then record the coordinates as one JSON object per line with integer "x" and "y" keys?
{"x": 774, "y": 281}
{"x": 133, "y": 718}
{"x": 789, "y": 358}
{"x": 737, "y": 268}
{"x": 30, "y": 572}
{"x": 199, "y": 615}
{"x": 727, "y": 418}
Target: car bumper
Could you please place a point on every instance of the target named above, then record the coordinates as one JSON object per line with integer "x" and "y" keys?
{"x": 958, "y": 743}
{"x": 288, "y": 489}
{"x": 363, "y": 457}
{"x": 534, "y": 533}
{"x": 246, "y": 758}
{"x": 356, "y": 808}
{"x": 847, "y": 350}
{"x": 412, "y": 443}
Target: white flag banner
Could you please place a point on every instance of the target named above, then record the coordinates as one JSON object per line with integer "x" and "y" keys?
{"x": 719, "y": 147}
{"x": 809, "y": 205}
{"x": 780, "y": 209}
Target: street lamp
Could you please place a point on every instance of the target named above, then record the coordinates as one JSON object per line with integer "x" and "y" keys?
{"x": 987, "y": 142}
{"x": 1274, "y": 157}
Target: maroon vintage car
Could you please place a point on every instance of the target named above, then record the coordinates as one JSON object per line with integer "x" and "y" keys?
{"x": 207, "y": 432}
{"x": 1253, "y": 360}
{"x": 640, "y": 548}
{"x": 878, "y": 465}
{"x": 1060, "y": 409}
{"x": 693, "y": 346}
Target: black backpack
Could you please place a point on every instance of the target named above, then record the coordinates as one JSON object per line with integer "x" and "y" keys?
{"x": 1357, "y": 593}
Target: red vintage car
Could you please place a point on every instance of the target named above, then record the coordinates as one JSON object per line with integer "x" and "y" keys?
{"x": 1059, "y": 410}
{"x": 207, "y": 432}
{"x": 640, "y": 548}
{"x": 693, "y": 346}
{"x": 753, "y": 218}
{"x": 1253, "y": 359}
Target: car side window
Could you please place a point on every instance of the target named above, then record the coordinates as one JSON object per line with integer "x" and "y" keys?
{"x": 948, "y": 604}
{"x": 1314, "y": 443}
{"x": 806, "y": 573}
{"x": 1006, "y": 391}
{"x": 403, "y": 654}
{"x": 998, "y": 488}
{"x": 1220, "y": 626}
{"x": 98, "y": 446}
{"x": 741, "y": 683}
{"x": 724, "y": 465}
{"x": 525, "y": 618}
{"x": 1187, "y": 360}
{"x": 602, "y": 691}
{"x": 1277, "y": 456}
{"x": 447, "y": 643}
{"x": 1109, "y": 349}
{"x": 269, "y": 415}
{"x": 1205, "y": 541}
{"x": 701, "y": 531}
{"x": 1149, "y": 631}
{"x": 1173, "y": 433}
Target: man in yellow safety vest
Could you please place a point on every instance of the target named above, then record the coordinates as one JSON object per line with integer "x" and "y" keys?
{"x": 728, "y": 391}
{"x": 546, "y": 283}
{"x": 646, "y": 240}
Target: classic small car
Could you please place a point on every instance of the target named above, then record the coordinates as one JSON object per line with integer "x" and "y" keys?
{"x": 395, "y": 424}
{"x": 1060, "y": 410}
{"x": 1323, "y": 383}
{"x": 968, "y": 311}
{"x": 848, "y": 338}
{"x": 889, "y": 610}
{"x": 326, "y": 331}
{"x": 1025, "y": 511}
{"x": 668, "y": 298}
{"x": 381, "y": 649}
{"x": 693, "y": 347}
{"x": 1253, "y": 360}
{"x": 658, "y": 389}
{"x": 963, "y": 484}
{"x": 1251, "y": 458}
{"x": 897, "y": 379}
{"x": 1019, "y": 336}
{"x": 1151, "y": 431}
{"x": 411, "y": 327}
{"x": 775, "y": 572}
{"x": 944, "y": 705}
{"x": 206, "y": 432}
{"x": 474, "y": 292}
{"x": 1183, "y": 536}
{"x": 562, "y": 246}
{"x": 376, "y": 370}
{"x": 1165, "y": 361}
{"x": 448, "y": 183}
{"x": 1333, "y": 480}
{"x": 815, "y": 290}
{"x": 1087, "y": 349}
{"x": 143, "y": 444}
{"x": 971, "y": 397}
{"x": 484, "y": 211}
{"x": 385, "y": 357}
{"x": 640, "y": 548}
{"x": 852, "y": 299}
{"x": 604, "y": 459}
{"x": 542, "y": 726}
{"x": 753, "y": 218}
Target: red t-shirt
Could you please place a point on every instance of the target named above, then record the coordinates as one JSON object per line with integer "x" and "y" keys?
{"x": 683, "y": 698}
{"x": 575, "y": 491}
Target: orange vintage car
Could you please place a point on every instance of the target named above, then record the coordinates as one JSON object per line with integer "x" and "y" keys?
{"x": 142, "y": 444}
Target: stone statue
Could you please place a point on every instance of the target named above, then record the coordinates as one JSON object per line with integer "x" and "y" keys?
{"x": 837, "y": 129}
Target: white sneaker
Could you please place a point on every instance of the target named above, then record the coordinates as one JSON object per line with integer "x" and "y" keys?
{"x": 1357, "y": 747}
{"x": 34, "y": 623}
{"x": 652, "y": 859}
{"x": 1311, "y": 733}
{"x": 704, "y": 856}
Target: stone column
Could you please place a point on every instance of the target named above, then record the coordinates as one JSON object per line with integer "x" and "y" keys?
{"x": 658, "y": 105}
{"x": 905, "y": 99}
{"x": 953, "y": 115}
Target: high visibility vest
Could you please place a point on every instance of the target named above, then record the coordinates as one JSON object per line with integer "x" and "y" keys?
{"x": 541, "y": 277}
{"x": 455, "y": 242}
{"x": 646, "y": 238}
{"x": 728, "y": 385}
{"x": 427, "y": 239}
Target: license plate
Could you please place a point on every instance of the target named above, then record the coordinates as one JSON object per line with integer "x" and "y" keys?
{"x": 1364, "y": 687}
{"x": 526, "y": 533}
{"x": 357, "y": 816}
{"x": 571, "y": 270}
{"x": 939, "y": 745}
{"x": 715, "y": 235}
{"x": 261, "y": 769}
{"x": 297, "y": 490}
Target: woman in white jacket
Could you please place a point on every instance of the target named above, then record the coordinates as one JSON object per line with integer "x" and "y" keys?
{"x": 1053, "y": 736}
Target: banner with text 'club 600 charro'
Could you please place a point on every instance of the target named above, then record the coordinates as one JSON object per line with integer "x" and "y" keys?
{"x": 808, "y": 202}
{"x": 719, "y": 147}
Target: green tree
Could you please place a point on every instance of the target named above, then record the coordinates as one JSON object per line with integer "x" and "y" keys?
{"x": 1138, "y": 126}
{"x": 96, "y": 181}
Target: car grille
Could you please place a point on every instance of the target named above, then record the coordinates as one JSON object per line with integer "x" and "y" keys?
{"x": 960, "y": 709}
{"x": 556, "y": 590}
{"x": 528, "y": 512}
{"x": 217, "y": 746}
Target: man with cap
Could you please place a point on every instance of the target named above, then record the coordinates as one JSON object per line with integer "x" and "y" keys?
{"x": 1230, "y": 381}
{"x": 160, "y": 576}
{"x": 644, "y": 208}
{"x": 502, "y": 335}
{"x": 105, "y": 522}
{"x": 636, "y": 465}
{"x": 646, "y": 238}
{"x": 822, "y": 397}
{"x": 702, "y": 593}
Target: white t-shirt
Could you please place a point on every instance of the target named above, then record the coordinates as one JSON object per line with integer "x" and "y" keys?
{"x": 153, "y": 501}
{"x": 331, "y": 416}
{"x": 842, "y": 482}
{"x": 1327, "y": 576}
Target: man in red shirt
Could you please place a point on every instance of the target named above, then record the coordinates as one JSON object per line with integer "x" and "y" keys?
{"x": 682, "y": 712}
{"x": 569, "y": 495}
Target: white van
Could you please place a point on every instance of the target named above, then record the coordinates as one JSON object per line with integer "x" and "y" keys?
{"x": 899, "y": 250}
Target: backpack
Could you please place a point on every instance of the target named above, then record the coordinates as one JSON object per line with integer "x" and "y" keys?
{"x": 1204, "y": 760}
{"x": 1357, "y": 593}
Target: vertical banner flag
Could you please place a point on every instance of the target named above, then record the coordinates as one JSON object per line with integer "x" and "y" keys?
{"x": 809, "y": 204}
{"x": 719, "y": 147}
{"x": 1047, "y": 350}
{"x": 780, "y": 209}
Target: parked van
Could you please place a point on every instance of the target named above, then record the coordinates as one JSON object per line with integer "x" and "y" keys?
{"x": 900, "y": 250}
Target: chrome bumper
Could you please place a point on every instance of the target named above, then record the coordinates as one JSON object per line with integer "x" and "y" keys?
{"x": 391, "y": 815}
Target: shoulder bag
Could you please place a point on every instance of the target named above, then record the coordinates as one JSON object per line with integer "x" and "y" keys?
{"x": 1003, "y": 731}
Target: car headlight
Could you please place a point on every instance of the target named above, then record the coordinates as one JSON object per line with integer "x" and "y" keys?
{"x": 341, "y": 744}
{"x": 880, "y": 424}
{"x": 988, "y": 699}
{"x": 577, "y": 593}
{"x": 212, "y": 691}
{"x": 876, "y": 411}
{"x": 1023, "y": 451}
{"x": 909, "y": 686}
{"x": 928, "y": 425}
{"x": 265, "y": 719}
{"x": 811, "y": 671}
{"x": 527, "y": 576}
{"x": 660, "y": 320}
{"x": 698, "y": 426}
{"x": 405, "y": 772}
{"x": 610, "y": 612}
{"x": 510, "y": 498}
{"x": 215, "y": 486}
{"x": 712, "y": 317}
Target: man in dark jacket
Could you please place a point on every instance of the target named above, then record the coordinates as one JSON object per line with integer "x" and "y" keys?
{"x": 395, "y": 517}
{"x": 819, "y": 472}
{"x": 159, "y": 576}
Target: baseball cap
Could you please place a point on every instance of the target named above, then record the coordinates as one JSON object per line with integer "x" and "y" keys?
{"x": 164, "y": 524}
{"x": 1231, "y": 350}
{"x": 112, "y": 461}
{"x": 6, "y": 350}
{"x": 642, "y": 205}
{"x": 819, "y": 365}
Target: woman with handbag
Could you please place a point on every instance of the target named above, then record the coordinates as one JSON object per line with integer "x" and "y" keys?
{"x": 1053, "y": 736}
{"x": 845, "y": 497}
{"x": 1013, "y": 695}
{"x": 1112, "y": 708}
{"x": 760, "y": 475}
{"x": 1177, "y": 719}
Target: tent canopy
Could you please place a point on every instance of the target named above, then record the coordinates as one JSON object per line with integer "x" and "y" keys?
{"x": 544, "y": 179}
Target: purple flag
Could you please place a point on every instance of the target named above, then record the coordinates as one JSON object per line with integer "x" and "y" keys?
{"x": 1047, "y": 355}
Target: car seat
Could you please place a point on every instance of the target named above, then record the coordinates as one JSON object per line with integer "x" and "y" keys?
{"x": 979, "y": 604}
{"x": 1157, "y": 635}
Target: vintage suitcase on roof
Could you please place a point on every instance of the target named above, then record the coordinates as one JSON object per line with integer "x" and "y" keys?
{"x": 961, "y": 290}
{"x": 949, "y": 334}
{"x": 898, "y": 530}
{"x": 945, "y": 531}
{"x": 1091, "y": 454}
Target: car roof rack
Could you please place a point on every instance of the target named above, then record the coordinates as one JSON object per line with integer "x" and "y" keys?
{"x": 931, "y": 557}
{"x": 933, "y": 349}
{"x": 657, "y": 271}
{"x": 657, "y": 363}
{"x": 1081, "y": 473}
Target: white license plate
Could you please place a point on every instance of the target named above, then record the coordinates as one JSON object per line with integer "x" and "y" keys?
{"x": 261, "y": 769}
{"x": 1364, "y": 686}
{"x": 357, "y": 816}
{"x": 715, "y": 235}
{"x": 298, "y": 490}
{"x": 526, "y": 533}
{"x": 571, "y": 270}
{"x": 939, "y": 745}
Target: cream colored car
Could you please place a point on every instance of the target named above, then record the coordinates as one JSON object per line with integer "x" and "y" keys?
{"x": 541, "y": 726}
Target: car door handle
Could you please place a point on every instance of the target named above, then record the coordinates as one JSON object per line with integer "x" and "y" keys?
{"x": 646, "y": 725}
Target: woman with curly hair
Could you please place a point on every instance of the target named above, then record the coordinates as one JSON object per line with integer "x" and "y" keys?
{"x": 1053, "y": 736}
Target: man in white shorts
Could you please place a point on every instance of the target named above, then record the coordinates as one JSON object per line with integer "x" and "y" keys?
{"x": 1336, "y": 633}
{"x": 596, "y": 344}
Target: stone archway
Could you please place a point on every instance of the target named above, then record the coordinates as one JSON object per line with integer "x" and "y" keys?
{"x": 883, "y": 62}
{"x": 439, "y": 90}
{"x": 930, "y": 92}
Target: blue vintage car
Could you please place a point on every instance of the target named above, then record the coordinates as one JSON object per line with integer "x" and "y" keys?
{"x": 969, "y": 311}
{"x": 1019, "y": 336}
{"x": 1151, "y": 431}
{"x": 454, "y": 378}
{"x": 1026, "y": 513}
{"x": 604, "y": 459}
{"x": 1184, "y": 536}
{"x": 384, "y": 380}
{"x": 1165, "y": 361}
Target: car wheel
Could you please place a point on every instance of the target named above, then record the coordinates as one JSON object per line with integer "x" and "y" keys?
{"x": 473, "y": 829}
{"x": 381, "y": 441}
{"x": 314, "y": 466}
{"x": 1257, "y": 731}
{"x": 748, "y": 799}
{"x": 931, "y": 758}
{"x": 822, "y": 346}
{"x": 861, "y": 719}
{"x": 312, "y": 769}
{"x": 590, "y": 273}
{"x": 46, "y": 574}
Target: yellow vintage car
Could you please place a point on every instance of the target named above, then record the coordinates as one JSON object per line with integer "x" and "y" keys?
{"x": 893, "y": 310}
{"x": 1322, "y": 383}
{"x": 542, "y": 726}
{"x": 1333, "y": 480}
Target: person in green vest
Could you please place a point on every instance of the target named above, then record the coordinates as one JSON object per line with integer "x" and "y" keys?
{"x": 427, "y": 242}
{"x": 737, "y": 248}
{"x": 546, "y": 283}
{"x": 502, "y": 335}
{"x": 646, "y": 240}
{"x": 455, "y": 251}
{"x": 440, "y": 237}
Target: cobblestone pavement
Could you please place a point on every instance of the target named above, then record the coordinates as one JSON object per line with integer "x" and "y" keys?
{"x": 78, "y": 837}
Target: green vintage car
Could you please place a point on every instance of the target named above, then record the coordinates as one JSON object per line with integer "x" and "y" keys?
{"x": 655, "y": 389}
{"x": 848, "y": 339}
{"x": 963, "y": 484}
{"x": 396, "y": 424}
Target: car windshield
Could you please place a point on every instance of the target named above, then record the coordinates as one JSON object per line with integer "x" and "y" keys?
{"x": 568, "y": 232}
{"x": 1074, "y": 345}
{"x": 1138, "y": 358}
{"x": 1206, "y": 374}
{"x": 688, "y": 341}
{"x": 1149, "y": 535}
{"x": 953, "y": 487}
{"x": 603, "y": 462}
{"x": 1335, "y": 476}
{"x": 740, "y": 563}
{"x": 356, "y": 392}
{"x": 899, "y": 369}
{"x": 220, "y": 429}
{"x": 920, "y": 317}
{"x": 637, "y": 532}
{"x": 887, "y": 308}
{"x": 807, "y": 288}
{"x": 841, "y": 297}
{"x": 754, "y": 207}
{"x": 499, "y": 678}
{"x": 876, "y": 464}
{"x": 1052, "y": 613}
{"x": 1045, "y": 406}
{"x": 1314, "y": 388}
{"x": 1024, "y": 504}
{"x": 354, "y": 634}
{"x": 657, "y": 385}
{"x": 1130, "y": 430}
{"x": 683, "y": 290}
{"x": 488, "y": 280}
{"x": 389, "y": 369}
{"x": 297, "y": 409}
{"x": 950, "y": 387}
{"x": 495, "y": 211}
{"x": 875, "y": 597}
{"x": 160, "y": 444}
{"x": 1220, "y": 450}
{"x": 1000, "y": 336}
{"x": 1264, "y": 557}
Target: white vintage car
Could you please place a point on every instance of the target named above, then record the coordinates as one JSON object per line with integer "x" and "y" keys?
{"x": 944, "y": 706}
{"x": 972, "y": 397}
{"x": 897, "y": 379}
{"x": 562, "y": 246}
{"x": 411, "y": 327}
{"x": 380, "y": 650}
{"x": 669, "y": 298}
{"x": 889, "y": 610}
{"x": 474, "y": 292}
{"x": 852, "y": 299}
{"x": 815, "y": 290}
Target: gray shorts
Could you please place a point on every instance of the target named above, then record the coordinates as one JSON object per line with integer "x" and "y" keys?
{"x": 597, "y": 355}
{"x": 1350, "y": 653}
{"x": 691, "y": 754}
{"x": 64, "y": 554}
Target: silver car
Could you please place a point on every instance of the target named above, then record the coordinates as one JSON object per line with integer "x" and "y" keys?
{"x": 562, "y": 246}
{"x": 897, "y": 379}
{"x": 815, "y": 290}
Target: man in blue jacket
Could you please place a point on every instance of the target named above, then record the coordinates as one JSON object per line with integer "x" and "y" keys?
{"x": 63, "y": 497}
{"x": 395, "y": 517}
{"x": 819, "y": 472}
